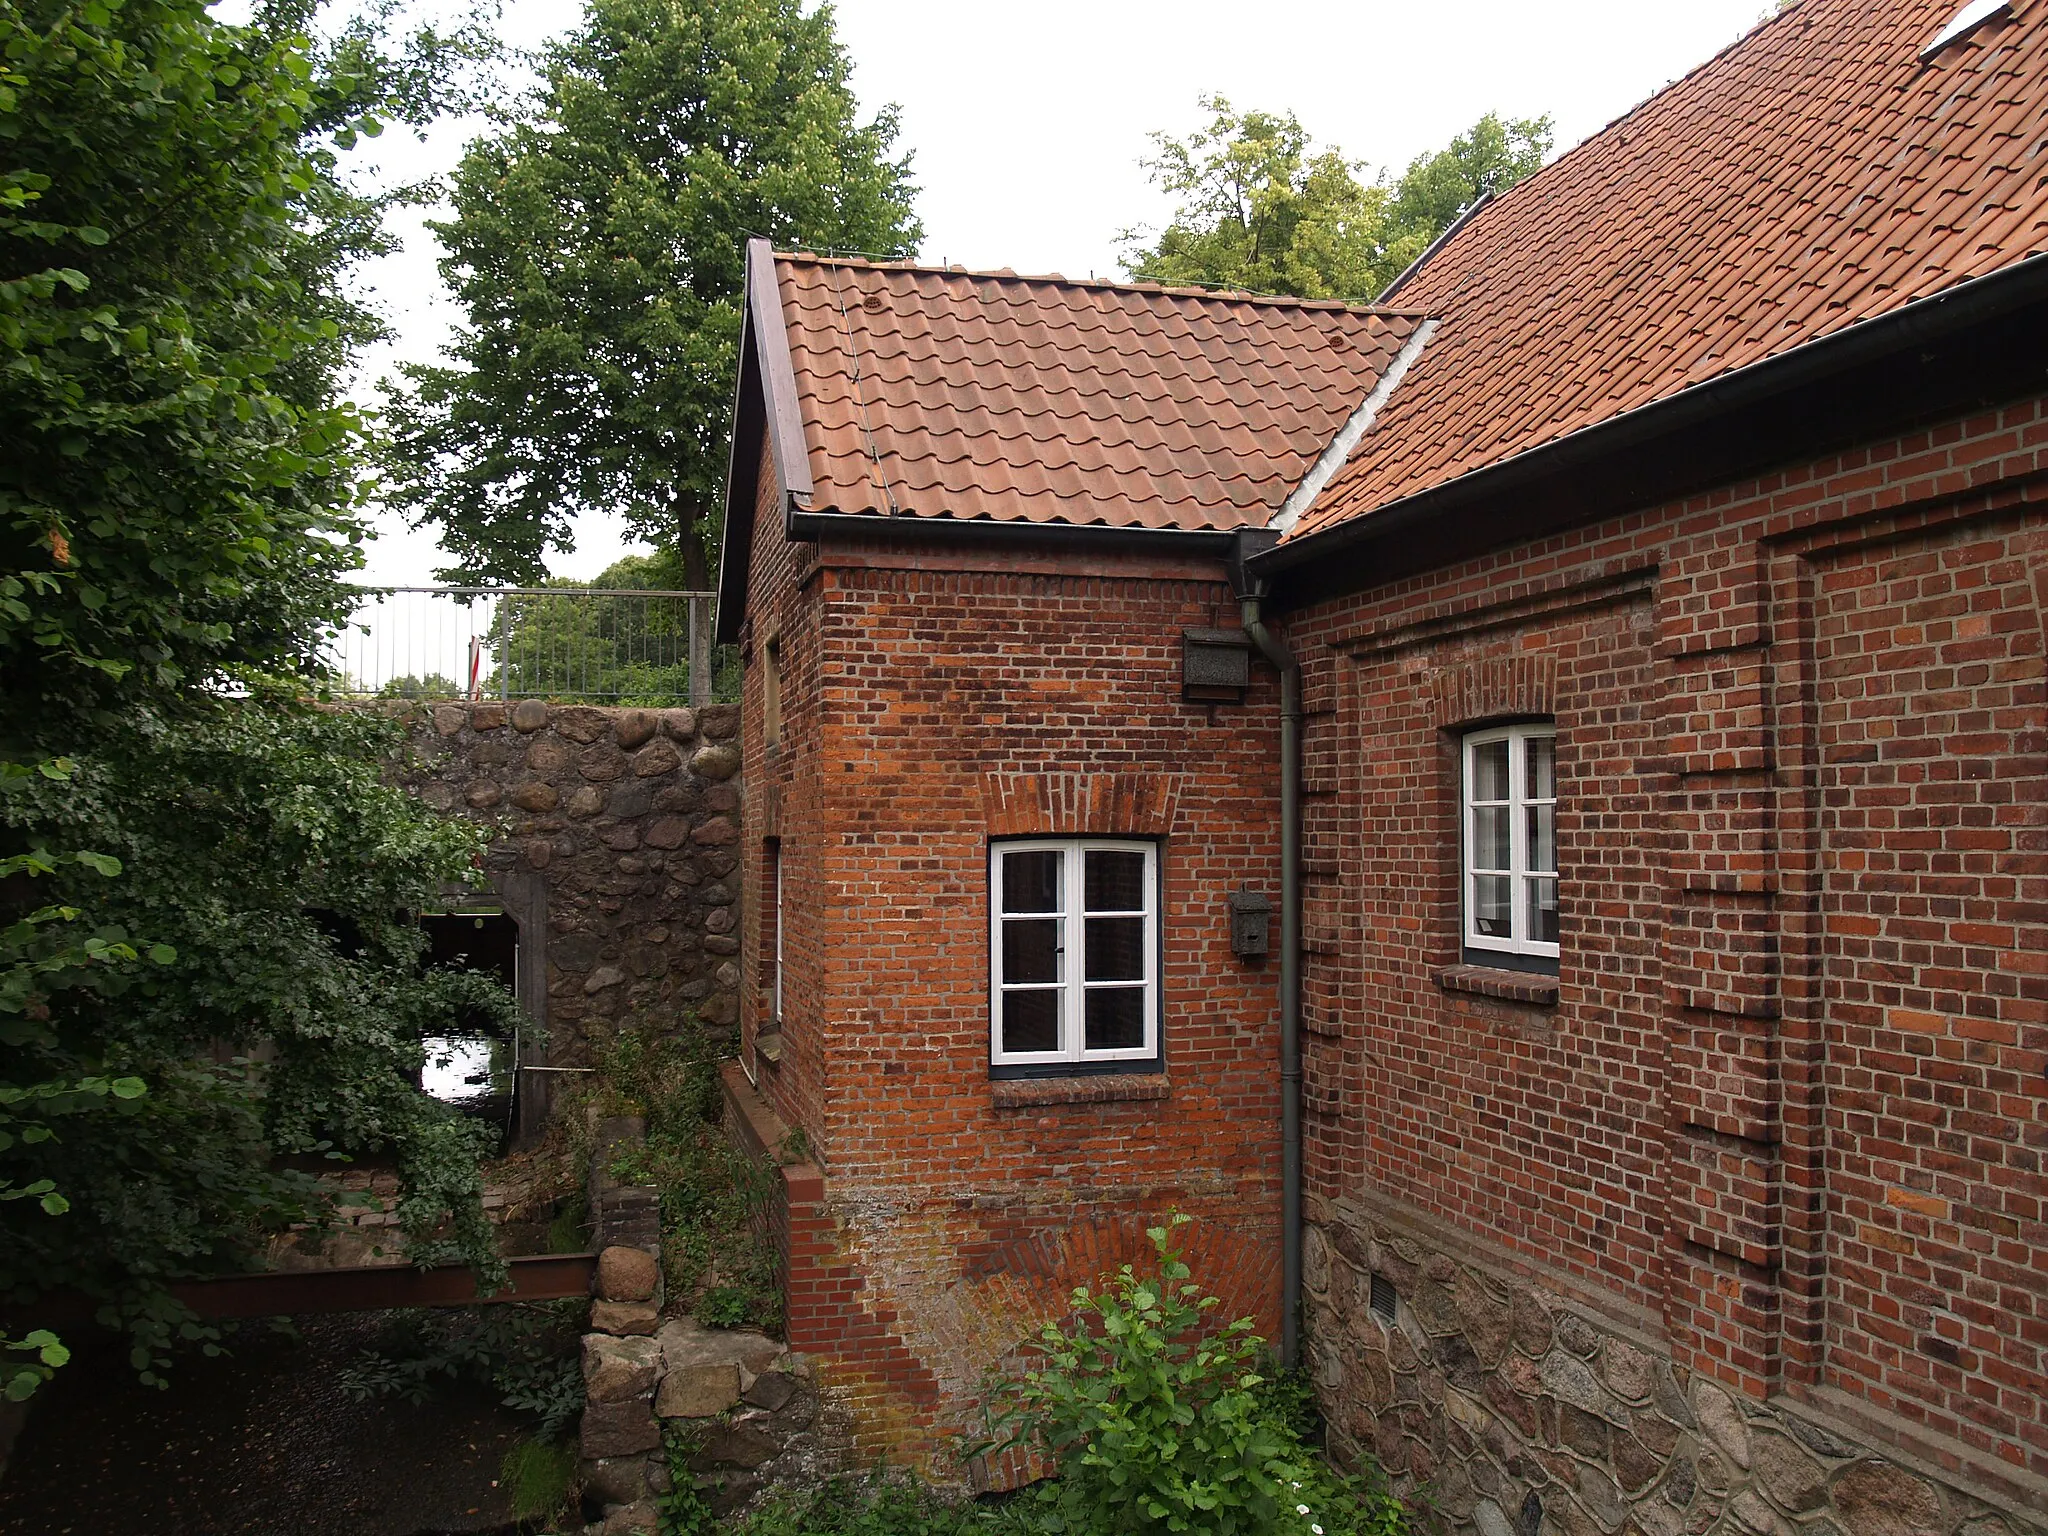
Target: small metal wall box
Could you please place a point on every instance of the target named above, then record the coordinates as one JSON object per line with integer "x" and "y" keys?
{"x": 1215, "y": 665}
{"x": 1251, "y": 924}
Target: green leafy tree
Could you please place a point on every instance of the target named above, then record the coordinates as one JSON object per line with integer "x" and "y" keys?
{"x": 178, "y": 492}
{"x": 604, "y": 648}
{"x": 597, "y": 249}
{"x": 432, "y": 686}
{"x": 1262, "y": 209}
{"x": 166, "y": 1095}
{"x": 1436, "y": 188}
{"x": 204, "y": 964}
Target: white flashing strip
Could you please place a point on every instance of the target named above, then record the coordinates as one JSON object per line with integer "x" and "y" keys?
{"x": 1352, "y": 433}
{"x": 1963, "y": 23}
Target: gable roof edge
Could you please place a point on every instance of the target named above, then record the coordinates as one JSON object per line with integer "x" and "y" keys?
{"x": 1352, "y": 432}
{"x": 778, "y": 374}
{"x": 764, "y": 401}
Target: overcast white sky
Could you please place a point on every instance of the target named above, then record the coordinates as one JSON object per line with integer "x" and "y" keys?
{"x": 1028, "y": 121}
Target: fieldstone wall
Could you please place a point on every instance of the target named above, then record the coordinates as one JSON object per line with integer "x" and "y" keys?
{"x": 366, "y": 1227}
{"x": 1521, "y": 1411}
{"x": 745, "y": 1408}
{"x": 618, "y": 837}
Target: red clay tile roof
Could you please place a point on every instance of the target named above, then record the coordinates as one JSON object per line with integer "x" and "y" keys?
{"x": 941, "y": 394}
{"x": 1811, "y": 176}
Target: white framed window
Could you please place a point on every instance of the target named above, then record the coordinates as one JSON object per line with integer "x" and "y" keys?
{"x": 1073, "y": 952}
{"x": 1509, "y": 805}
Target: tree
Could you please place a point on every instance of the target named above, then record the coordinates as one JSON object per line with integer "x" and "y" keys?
{"x": 1436, "y": 189}
{"x": 274, "y": 1014}
{"x": 179, "y": 487}
{"x": 1261, "y": 209}
{"x": 606, "y": 649}
{"x": 212, "y": 970}
{"x": 597, "y": 249}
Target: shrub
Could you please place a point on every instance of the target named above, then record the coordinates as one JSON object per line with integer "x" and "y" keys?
{"x": 1160, "y": 1421}
{"x": 525, "y": 1351}
{"x": 724, "y": 1306}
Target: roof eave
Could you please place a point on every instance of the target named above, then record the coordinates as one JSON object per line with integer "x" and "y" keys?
{"x": 805, "y": 524}
{"x": 1358, "y": 545}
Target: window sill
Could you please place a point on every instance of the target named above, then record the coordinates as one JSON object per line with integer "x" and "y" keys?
{"x": 1113, "y": 1088}
{"x": 1507, "y": 986}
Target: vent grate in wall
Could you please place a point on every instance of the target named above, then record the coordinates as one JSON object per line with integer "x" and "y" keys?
{"x": 1384, "y": 1301}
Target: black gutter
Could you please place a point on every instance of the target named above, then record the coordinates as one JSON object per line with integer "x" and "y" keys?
{"x": 1741, "y": 421}
{"x": 806, "y": 525}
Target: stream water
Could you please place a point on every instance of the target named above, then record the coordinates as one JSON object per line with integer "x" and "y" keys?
{"x": 258, "y": 1442}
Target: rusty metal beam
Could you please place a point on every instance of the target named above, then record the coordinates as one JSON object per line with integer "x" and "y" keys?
{"x": 375, "y": 1287}
{"x": 363, "y": 1288}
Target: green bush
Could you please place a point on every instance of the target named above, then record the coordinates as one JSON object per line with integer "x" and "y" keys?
{"x": 1160, "y": 1421}
{"x": 527, "y": 1352}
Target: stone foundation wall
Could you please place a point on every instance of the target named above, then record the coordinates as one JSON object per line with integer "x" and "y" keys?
{"x": 1519, "y": 1406}
{"x": 617, "y": 833}
{"x": 746, "y": 1410}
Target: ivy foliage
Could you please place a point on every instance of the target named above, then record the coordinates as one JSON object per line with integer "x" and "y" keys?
{"x": 598, "y": 252}
{"x": 1262, "y": 208}
{"x": 209, "y": 982}
{"x": 274, "y": 1022}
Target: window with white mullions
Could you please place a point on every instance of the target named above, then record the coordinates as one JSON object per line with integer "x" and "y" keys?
{"x": 1510, "y": 833}
{"x": 1074, "y": 953}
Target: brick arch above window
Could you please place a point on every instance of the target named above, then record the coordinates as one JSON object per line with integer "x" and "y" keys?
{"x": 1079, "y": 804}
{"x": 1495, "y": 688}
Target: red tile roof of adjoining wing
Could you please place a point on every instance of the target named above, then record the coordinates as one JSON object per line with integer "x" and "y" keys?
{"x": 1811, "y": 176}
{"x": 932, "y": 393}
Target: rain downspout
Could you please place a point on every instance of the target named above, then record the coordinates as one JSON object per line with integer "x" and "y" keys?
{"x": 1276, "y": 652}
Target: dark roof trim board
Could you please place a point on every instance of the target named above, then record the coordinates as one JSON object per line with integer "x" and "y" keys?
{"x": 765, "y": 400}
{"x": 804, "y": 525}
{"x": 742, "y": 482}
{"x": 1478, "y": 510}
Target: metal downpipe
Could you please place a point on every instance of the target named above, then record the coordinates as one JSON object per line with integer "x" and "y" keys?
{"x": 1277, "y": 653}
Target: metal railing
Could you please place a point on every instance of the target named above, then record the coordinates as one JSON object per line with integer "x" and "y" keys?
{"x": 590, "y": 645}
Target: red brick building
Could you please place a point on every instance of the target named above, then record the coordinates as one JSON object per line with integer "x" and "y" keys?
{"x": 1658, "y": 643}
{"x": 992, "y": 833}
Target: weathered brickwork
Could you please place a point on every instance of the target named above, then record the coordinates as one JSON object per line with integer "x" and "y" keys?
{"x": 1786, "y": 1115}
{"x": 931, "y": 699}
{"x": 616, "y": 832}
